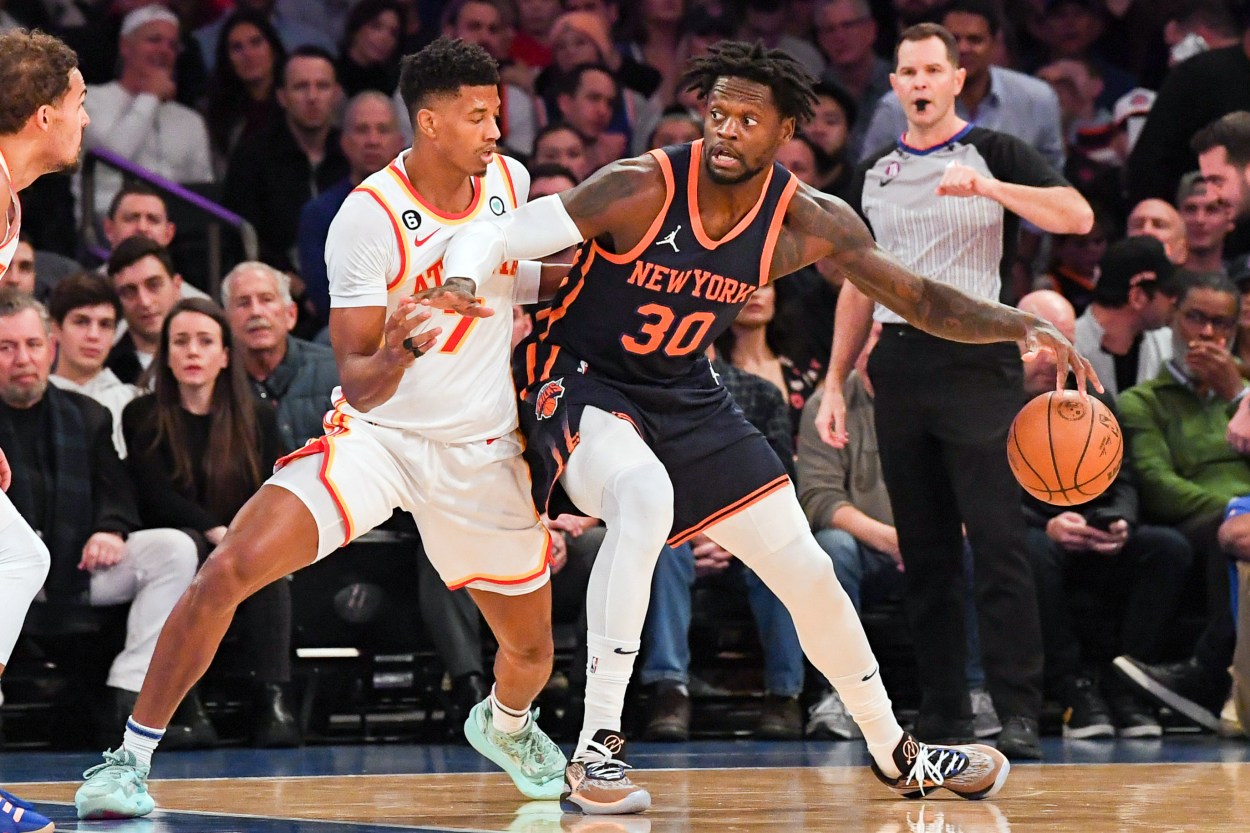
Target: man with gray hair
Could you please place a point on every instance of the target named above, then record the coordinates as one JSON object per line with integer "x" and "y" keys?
{"x": 370, "y": 139}
{"x": 294, "y": 376}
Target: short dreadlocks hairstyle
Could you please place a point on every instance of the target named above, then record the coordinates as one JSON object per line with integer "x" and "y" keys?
{"x": 790, "y": 82}
{"x": 442, "y": 68}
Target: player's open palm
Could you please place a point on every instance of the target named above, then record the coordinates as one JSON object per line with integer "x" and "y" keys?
{"x": 456, "y": 295}
{"x": 404, "y": 337}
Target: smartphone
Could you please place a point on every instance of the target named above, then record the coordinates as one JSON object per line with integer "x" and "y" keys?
{"x": 1102, "y": 518}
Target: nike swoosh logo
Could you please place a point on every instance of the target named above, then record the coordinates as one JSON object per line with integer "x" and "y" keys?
{"x": 626, "y": 653}
{"x": 421, "y": 241}
{"x": 873, "y": 674}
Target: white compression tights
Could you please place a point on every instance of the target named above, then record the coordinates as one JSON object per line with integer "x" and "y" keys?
{"x": 24, "y": 563}
{"x": 772, "y": 537}
{"x": 614, "y": 475}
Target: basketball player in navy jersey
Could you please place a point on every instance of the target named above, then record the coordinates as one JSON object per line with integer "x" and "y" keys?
{"x": 626, "y": 418}
{"x": 41, "y": 127}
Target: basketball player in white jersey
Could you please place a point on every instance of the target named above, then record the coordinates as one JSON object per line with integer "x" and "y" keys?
{"x": 425, "y": 420}
{"x": 41, "y": 125}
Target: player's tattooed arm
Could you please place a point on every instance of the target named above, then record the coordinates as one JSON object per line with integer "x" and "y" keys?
{"x": 618, "y": 202}
{"x": 818, "y": 226}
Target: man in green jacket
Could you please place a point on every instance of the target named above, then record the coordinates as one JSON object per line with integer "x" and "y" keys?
{"x": 1176, "y": 425}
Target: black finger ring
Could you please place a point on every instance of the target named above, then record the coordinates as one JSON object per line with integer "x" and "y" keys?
{"x": 413, "y": 348}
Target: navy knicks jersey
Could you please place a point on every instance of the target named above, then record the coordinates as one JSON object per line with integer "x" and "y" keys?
{"x": 648, "y": 315}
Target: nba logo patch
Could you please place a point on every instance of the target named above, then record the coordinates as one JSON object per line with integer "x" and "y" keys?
{"x": 891, "y": 171}
{"x": 548, "y": 398}
{"x": 594, "y": 664}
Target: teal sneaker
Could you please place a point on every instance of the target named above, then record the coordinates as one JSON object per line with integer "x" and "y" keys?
{"x": 115, "y": 789}
{"x": 531, "y": 759}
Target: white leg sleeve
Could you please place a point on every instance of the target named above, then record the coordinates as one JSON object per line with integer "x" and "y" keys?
{"x": 614, "y": 475}
{"x": 24, "y": 563}
{"x": 772, "y": 537}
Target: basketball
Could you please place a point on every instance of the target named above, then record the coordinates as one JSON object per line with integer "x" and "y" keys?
{"x": 1065, "y": 450}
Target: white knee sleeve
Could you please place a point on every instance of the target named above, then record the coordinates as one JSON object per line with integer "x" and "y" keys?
{"x": 24, "y": 563}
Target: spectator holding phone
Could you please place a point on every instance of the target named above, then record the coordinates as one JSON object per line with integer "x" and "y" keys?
{"x": 1092, "y": 561}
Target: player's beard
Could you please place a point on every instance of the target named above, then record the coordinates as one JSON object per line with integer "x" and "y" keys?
{"x": 721, "y": 179}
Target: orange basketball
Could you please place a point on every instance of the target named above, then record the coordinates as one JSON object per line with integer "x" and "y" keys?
{"x": 1065, "y": 450}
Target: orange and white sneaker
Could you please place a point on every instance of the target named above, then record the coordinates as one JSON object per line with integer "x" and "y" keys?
{"x": 595, "y": 783}
{"x": 971, "y": 771}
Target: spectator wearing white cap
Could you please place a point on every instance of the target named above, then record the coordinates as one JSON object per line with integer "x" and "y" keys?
{"x": 137, "y": 117}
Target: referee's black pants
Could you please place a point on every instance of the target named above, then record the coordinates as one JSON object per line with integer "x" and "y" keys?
{"x": 943, "y": 410}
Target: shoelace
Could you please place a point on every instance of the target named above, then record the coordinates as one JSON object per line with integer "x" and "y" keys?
{"x": 933, "y": 765}
{"x": 122, "y": 757}
{"x": 606, "y": 769}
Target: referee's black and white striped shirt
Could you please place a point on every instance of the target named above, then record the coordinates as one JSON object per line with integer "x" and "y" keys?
{"x": 967, "y": 242}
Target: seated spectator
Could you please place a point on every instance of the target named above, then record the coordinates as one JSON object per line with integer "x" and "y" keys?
{"x": 138, "y": 209}
{"x": 369, "y": 55}
{"x": 1074, "y": 261}
{"x": 1095, "y": 559}
{"x": 242, "y": 98}
{"x": 69, "y": 484}
{"x": 21, "y": 276}
{"x": 843, "y": 494}
{"x": 992, "y": 96}
{"x": 830, "y": 128}
{"x": 1161, "y": 221}
{"x": 85, "y": 311}
{"x": 585, "y": 102}
{"x": 675, "y": 128}
{"x": 845, "y": 31}
{"x": 1078, "y": 87}
{"x": 585, "y": 37}
{"x": 1239, "y": 274}
{"x": 1188, "y": 472}
{"x": 1207, "y": 220}
{"x": 369, "y": 141}
{"x": 754, "y": 344}
{"x": 1124, "y": 331}
{"x": 201, "y": 446}
{"x": 559, "y": 144}
{"x": 665, "y": 638}
{"x": 284, "y": 17}
{"x": 654, "y": 34}
{"x": 143, "y": 277}
{"x": 293, "y": 377}
{"x": 531, "y": 43}
{"x": 767, "y": 21}
{"x": 273, "y": 173}
{"x": 1071, "y": 30}
{"x": 137, "y": 117}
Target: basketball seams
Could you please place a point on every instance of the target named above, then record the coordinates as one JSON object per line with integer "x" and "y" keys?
{"x": 1045, "y": 428}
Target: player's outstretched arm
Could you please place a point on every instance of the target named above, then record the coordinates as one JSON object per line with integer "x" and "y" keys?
{"x": 620, "y": 199}
{"x": 370, "y": 349}
{"x": 818, "y": 225}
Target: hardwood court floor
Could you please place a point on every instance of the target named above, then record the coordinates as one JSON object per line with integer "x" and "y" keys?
{"x": 711, "y": 788}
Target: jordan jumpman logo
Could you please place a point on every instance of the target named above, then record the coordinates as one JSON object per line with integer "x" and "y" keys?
{"x": 670, "y": 241}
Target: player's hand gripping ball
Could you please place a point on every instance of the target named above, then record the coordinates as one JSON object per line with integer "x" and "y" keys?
{"x": 1063, "y": 449}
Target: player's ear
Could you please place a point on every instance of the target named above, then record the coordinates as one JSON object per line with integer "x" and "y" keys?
{"x": 425, "y": 122}
{"x": 788, "y": 127}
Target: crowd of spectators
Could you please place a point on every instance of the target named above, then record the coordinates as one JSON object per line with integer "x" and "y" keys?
{"x": 276, "y": 109}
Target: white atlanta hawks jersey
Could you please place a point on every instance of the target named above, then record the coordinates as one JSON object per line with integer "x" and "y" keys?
{"x": 387, "y": 243}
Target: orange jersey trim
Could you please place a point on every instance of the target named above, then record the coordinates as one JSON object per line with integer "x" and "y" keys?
{"x": 507, "y": 178}
{"x": 692, "y": 197}
{"x": 335, "y": 423}
{"x": 774, "y": 228}
{"x": 730, "y": 510}
{"x": 666, "y": 168}
{"x": 512, "y": 580}
{"x": 559, "y": 312}
{"x": 399, "y": 235}
{"x": 478, "y": 186}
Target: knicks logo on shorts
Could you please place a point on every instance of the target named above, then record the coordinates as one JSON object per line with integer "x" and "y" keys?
{"x": 548, "y": 398}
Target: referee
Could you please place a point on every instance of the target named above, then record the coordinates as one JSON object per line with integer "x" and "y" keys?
{"x": 946, "y": 199}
